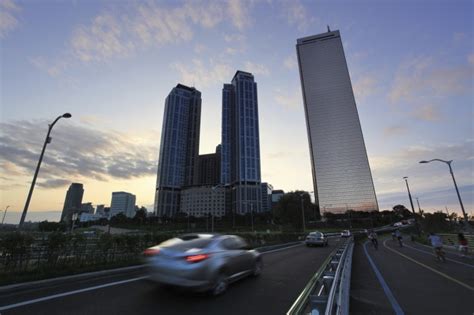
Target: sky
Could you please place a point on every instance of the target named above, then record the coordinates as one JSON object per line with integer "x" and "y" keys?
{"x": 111, "y": 64}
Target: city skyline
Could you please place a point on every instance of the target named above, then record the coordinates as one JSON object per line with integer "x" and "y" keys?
{"x": 414, "y": 93}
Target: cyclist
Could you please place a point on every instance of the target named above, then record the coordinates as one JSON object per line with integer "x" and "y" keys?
{"x": 437, "y": 244}
{"x": 399, "y": 237}
{"x": 463, "y": 248}
{"x": 373, "y": 239}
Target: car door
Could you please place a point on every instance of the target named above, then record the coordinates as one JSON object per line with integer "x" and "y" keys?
{"x": 246, "y": 259}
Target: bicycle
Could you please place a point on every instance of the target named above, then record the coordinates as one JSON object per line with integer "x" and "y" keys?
{"x": 375, "y": 243}
{"x": 440, "y": 254}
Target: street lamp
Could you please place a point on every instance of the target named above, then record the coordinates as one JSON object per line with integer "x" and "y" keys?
{"x": 46, "y": 141}
{"x": 5, "y": 213}
{"x": 466, "y": 221}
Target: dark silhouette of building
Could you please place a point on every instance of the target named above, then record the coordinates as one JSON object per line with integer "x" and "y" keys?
{"x": 179, "y": 148}
{"x": 73, "y": 202}
{"x": 341, "y": 173}
{"x": 208, "y": 169}
{"x": 240, "y": 162}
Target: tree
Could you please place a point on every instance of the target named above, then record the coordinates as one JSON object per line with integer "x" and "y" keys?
{"x": 402, "y": 212}
{"x": 288, "y": 209}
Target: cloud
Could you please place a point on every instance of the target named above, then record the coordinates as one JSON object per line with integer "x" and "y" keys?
{"x": 297, "y": 15}
{"x": 289, "y": 100}
{"x": 389, "y": 169}
{"x": 364, "y": 87}
{"x": 290, "y": 62}
{"x": 75, "y": 152}
{"x": 421, "y": 77}
{"x": 256, "y": 68}
{"x": 8, "y": 21}
{"x": 54, "y": 183}
{"x": 152, "y": 23}
{"x": 470, "y": 59}
{"x": 205, "y": 74}
{"x": 199, "y": 48}
{"x": 427, "y": 113}
{"x": 394, "y": 130}
{"x": 239, "y": 13}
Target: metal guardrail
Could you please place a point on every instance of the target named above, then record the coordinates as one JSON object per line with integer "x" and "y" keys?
{"x": 327, "y": 292}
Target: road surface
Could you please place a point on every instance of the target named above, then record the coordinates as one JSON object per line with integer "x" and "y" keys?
{"x": 286, "y": 272}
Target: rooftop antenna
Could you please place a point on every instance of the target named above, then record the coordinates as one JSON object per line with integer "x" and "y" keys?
{"x": 328, "y": 28}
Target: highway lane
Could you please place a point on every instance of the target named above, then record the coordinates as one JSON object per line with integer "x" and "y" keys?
{"x": 285, "y": 274}
{"x": 422, "y": 285}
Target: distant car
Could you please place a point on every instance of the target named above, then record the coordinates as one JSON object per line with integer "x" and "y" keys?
{"x": 316, "y": 238}
{"x": 202, "y": 262}
{"x": 346, "y": 233}
{"x": 398, "y": 224}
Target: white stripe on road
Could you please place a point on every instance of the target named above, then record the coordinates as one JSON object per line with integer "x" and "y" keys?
{"x": 396, "y": 307}
{"x": 280, "y": 249}
{"x": 428, "y": 267}
{"x": 431, "y": 254}
{"x": 54, "y": 296}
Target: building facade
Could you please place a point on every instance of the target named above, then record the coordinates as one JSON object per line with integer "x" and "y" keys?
{"x": 199, "y": 201}
{"x": 73, "y": 202}
{"x": 122, "y": 202}
{"x": 266, "y": 197}
{"x": 341, "y": 173}
{"x": 179, "y": 148}
{"x": 240, "y": 151}
{"x": 208, "y": 168}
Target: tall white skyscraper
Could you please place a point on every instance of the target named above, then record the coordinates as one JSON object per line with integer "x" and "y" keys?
{"x": 341, "y": 173}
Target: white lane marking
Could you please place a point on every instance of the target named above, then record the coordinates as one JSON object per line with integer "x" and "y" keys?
{"x": 55, "y": 296}
{"x": 431, "y": 254}
{"x": 467, "y": 286}
{"x": 280, "y": 249}
{"x": 388, "y": 293}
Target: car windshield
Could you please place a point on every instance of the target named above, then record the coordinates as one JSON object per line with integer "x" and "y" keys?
{"x": 317, "y": 234}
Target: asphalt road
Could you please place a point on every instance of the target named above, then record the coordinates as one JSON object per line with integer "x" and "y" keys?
{"x": 285, "y": 274}
{"x": 416, "y": 282}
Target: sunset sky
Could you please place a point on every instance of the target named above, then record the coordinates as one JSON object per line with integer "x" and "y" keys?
{"x": 112, "y": 63}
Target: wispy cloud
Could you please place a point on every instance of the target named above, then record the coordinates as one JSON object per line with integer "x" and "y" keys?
{"x": 420, "y": 77}
{"x": 394, "y": 130}
{"x": 8, "y": 21}
{"x": 256, "y": 68}
{"x": 297, "y": 15}
{"x": 365, "y": 86}
{"x": 427, "y": 113}
{"x": 205, "y": 74}
{"x": 75, "y": 152}
{"x": 290, "y": 62}
{"x": 110, "y": 35}
{"x": 289, "y": 99}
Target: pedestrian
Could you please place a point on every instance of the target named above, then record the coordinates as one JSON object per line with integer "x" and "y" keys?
{"x": 437, "y": 244}
{"x": 399, "y": 237}
{"x": 394, "y": 237}
{"x": 463, "y": 247}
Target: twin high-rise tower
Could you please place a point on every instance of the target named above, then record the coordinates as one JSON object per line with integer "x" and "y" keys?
{"x": 238, "y": 157}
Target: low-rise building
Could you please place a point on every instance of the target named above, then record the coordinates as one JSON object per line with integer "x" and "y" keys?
{"x": 266, "y": 197}
{"x": 199, "y": 201}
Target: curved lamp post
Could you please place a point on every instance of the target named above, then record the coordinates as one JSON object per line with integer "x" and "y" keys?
{"x": 466, "y": 221}
{"x": 46, "y": 141}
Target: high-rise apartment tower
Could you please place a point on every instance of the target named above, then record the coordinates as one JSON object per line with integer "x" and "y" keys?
{"x": 73, "y": 201}
{"x": 341, "y": 173}
{"x": 179, "y": 148}
{"x": 240, "y": 147}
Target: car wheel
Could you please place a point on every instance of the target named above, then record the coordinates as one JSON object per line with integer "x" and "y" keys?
{"x": 220, "y": 285}
{"x": 257, "y": 268}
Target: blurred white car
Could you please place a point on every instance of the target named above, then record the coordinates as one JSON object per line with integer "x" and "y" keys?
{"x": 316, "y": 238}
{"x": 346, "y": 233}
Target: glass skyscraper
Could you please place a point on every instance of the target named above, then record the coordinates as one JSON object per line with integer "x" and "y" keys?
{"x": 73, "y": 202}
{"x": 240, "y": 152}
{"x": 341, "y": 173}
{"x": 179, "y": 148}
